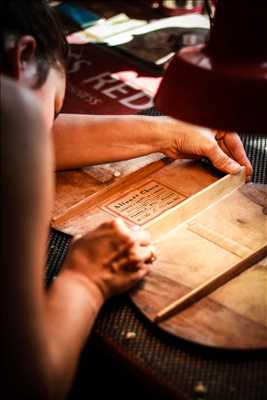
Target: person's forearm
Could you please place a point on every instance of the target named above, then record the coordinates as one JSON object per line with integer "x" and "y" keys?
{"x": 72, "y": 304}
{"x": 86, "y": 139}
{"x": 43, "y": 329}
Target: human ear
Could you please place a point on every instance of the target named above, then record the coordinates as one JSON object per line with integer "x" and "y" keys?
{"x": 24, "y": 61}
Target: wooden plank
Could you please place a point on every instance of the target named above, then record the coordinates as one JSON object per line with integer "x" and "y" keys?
{"x": 219, "y": 239}
{"x": 207, "y": 322}
{"x": 121, "y": 184}
{"x": 194, "y": 205}
{"x": 81, "y": 216}
{"x": 214, "y": 225}
{"x": 235, "y": 315}
{"x": 211, "y": 284}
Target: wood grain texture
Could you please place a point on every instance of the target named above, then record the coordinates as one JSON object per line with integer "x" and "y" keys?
{"x": 219, "y": 222}
{"x": 212, "y": 284}
{"x": 183, "y": 176}
{"x": 98, "y": 191}
{"x": 193, "y": 205}
{"x": 235, "y": 315}
{"x": 78, "y": 186}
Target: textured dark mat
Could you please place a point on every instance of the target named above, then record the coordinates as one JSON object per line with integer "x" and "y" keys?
{"x": 180, "y": 365}
{"x": 58, "y": 244}
{"x": 256, "y": 148}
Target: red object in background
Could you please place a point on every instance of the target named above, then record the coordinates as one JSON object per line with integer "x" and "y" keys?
{"x": 178, "y": 7}
{"x": 103, "y": 82}
{"x": 181, "y": 7}
{"x": 222, "y": 85}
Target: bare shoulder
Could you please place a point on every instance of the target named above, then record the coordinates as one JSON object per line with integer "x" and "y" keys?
{"x": 26, "y": 153}
{"x": 19, "y": 107}
{"x": 23, "y": 133}
{"x": 26, "y": 179}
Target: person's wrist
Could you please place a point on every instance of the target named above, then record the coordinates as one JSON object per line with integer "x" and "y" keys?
{"x": 93, "y": 291}
{"x": 99, "y": 288}
{"x": 159, "y": 129}
{"x": 165, "y": 134}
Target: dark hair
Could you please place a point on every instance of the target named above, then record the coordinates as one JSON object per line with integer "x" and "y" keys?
{"x": 38, "y": 19}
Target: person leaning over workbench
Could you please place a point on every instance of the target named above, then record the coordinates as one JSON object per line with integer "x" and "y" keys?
{"x": 43, "y": 330}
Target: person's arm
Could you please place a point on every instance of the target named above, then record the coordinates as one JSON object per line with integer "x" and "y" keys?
{"x": 44, "y": 330}
{"x": 88, "y": 139}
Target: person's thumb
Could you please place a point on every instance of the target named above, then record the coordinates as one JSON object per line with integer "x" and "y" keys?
{"x": 222, "y": 161}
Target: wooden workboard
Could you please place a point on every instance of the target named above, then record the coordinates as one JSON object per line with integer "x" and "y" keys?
{"x": 201, "y": 224}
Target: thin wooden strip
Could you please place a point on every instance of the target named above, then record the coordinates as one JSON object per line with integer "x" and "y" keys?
{"x": 186, "y": 210}
{"x": 211, "y": 284}
{"x": 197, "y": 323}
{"x": 220, "y": 240}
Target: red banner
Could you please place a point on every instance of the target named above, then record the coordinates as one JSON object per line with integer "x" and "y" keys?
{"x": 101, "y": 81}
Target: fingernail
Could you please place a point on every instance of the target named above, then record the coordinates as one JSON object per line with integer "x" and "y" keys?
{"x": 235, "y": 167}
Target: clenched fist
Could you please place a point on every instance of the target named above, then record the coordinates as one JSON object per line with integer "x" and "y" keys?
{"x": 112, "y": 257}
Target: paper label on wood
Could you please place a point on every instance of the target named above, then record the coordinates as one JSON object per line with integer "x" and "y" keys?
{"x": 144, "y": 203}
